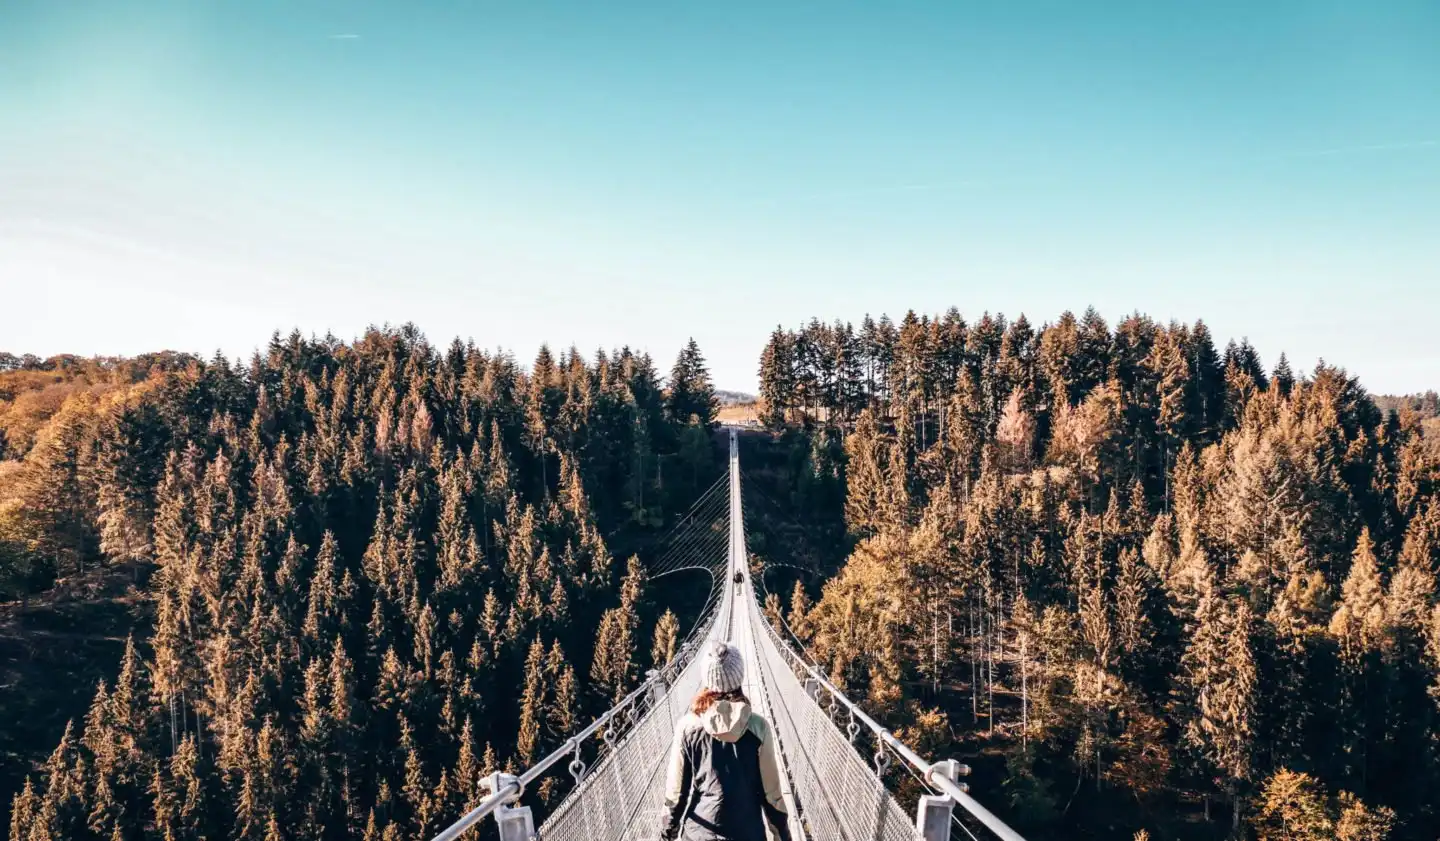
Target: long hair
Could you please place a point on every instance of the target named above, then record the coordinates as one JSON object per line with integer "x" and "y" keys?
{"x": 707, "y": 698}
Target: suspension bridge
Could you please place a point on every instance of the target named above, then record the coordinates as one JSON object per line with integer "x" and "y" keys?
{"x": 834, "y": 757}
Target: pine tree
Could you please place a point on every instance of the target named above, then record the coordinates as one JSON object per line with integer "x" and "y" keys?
{"x": 1177, "y": 420}
{"x": 532, "y": 704}
{"x": 1092, "y": 353}
{"x": 1015, "y": 434}
{"x": 1292, "y": 808}
{"x": 467, "y": 769}
{"x": 322, "y": 615}
{"x": 1132, "y": 598}
{"x": 613, "y": 667}
{"x": 128, "y": 466}
{"x": 667, "y": 632}
{"x": 799, "y": 614}
{"x": 1360, "y": 622}
{"x": 1209, "y": 377}
{"x": 691, "y": 393}
{"x": 1359, "y": 822}
{"x": 777, "y": 378}
{"x": 23, "y": 811}
{"x": 1283, "y": 378}
{"x": 1220, "y": 673}
{"x": 57, "y": 495}
{"x": 865, "y": 476}
{"x": 1058, "y": 354}
{"x": 567, "y": 699}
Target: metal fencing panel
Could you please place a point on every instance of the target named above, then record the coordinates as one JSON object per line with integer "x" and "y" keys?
{"x": 839, "y": 792}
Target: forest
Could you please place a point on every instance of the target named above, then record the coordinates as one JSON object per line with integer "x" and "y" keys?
{"x": 367, "y": 574}
{"x": 1147, "y": 587}
{"x": 1167, "y": 592}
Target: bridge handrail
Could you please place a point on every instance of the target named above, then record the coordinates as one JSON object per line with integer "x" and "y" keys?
{"x": 928, "y": 771}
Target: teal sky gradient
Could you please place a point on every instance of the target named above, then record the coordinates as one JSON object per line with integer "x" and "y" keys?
{"x": 193, "y": 175}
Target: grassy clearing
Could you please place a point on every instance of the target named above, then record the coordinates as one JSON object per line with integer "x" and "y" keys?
{"x": 739, "y": 413}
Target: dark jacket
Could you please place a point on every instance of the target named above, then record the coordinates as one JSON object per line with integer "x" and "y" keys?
{"x": 723, "y": 780}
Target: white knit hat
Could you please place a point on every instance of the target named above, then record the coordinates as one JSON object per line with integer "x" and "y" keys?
{"x": 724, "y": 669}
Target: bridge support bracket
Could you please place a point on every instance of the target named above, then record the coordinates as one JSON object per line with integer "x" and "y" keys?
{"x": 932, "y": 814}
{"x": 516, "y": 823}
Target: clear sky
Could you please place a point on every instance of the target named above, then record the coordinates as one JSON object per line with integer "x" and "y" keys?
{"x": 193, "y": 175}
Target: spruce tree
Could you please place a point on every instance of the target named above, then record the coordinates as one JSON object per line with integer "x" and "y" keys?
{"x": 1358, "y": 822}
{"x": 1292, "y": 808}
{"x": 777, "y": 378}
{"x": 1209, "y": 377}
{"x": 23, "y": 812}
{"x": 1177, "y": 420}
{"x": 1219, "y": 671}
{"x": 1360, "y": 622}
{"x": 667, "y": 632}
{"x": 691, "y": 393}
{"x": 532, "y": 705}
{"x": 865, "y": 476}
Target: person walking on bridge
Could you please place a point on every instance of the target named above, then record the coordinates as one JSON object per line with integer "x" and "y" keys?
{"x": 723, "y": 780}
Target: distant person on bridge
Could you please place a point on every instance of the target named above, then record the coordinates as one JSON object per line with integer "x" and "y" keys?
{"x": 723, "y": 782}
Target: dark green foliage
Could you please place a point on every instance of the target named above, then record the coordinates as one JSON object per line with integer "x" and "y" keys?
{"x": 691, "y": 396}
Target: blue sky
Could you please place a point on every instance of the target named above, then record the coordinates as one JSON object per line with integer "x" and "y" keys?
{"x": 193, "y": 175}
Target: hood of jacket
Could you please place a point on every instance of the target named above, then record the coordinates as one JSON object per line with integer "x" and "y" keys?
{"x": 726, "y": 720}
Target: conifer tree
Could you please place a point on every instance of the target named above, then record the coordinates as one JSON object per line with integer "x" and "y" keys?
{"x": 1177, "y": 419}
{"x": 1358, "y": 822}
{"x": 1284, "y": 378}
{"x": 691, "y": 393}
{"x": 1360, "y": 621}
{"x": 1292, "y": 808}
{"x": 667, "y": 632}
{"x": 798, "y": 617}
{"x": 1015, "y": 434}
{"x": 865, "y": 476}
{"x": 58, "y": 507}
{"x": 1209, "y": 377}
{"x": 1132, "y": 603}
{"x": 777, "y": 377}
{"x": 532, "y": 703}
{"x": 1219, "y": 670}
{"x": 1092, "y": 352}
{"x": 613, "y": 667}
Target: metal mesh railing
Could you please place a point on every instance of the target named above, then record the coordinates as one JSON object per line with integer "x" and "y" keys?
{"x": 782, "y": 661}
{"x": 621, "y": 797}
{"x": 841, "y": 796}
